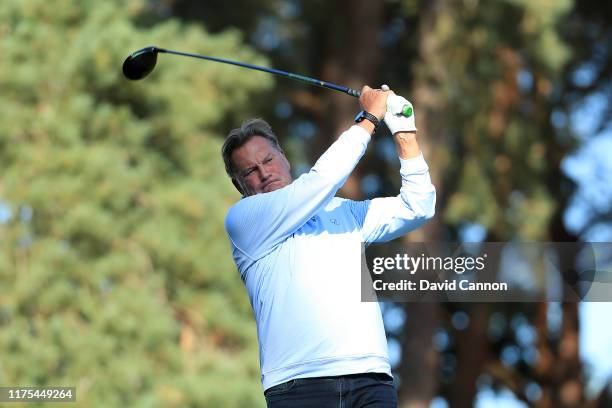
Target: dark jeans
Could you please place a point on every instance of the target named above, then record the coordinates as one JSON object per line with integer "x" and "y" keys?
{"x": 346, "y": 391}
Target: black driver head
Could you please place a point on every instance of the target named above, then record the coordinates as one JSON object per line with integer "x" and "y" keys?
{"x": 140, "y": 63}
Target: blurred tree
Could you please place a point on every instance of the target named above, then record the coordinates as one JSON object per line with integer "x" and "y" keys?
{"x": 493, "y": 72}
{"x": 115, "y": 274}
{"x": 588, "y": 30}
{"x": 587, "y": 100}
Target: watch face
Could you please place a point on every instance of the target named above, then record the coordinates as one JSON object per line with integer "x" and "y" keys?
{"x": 360, "y": 116}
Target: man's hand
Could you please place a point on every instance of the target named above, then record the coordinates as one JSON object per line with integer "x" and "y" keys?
{"x": 400, "y": 114}
{"x": 374, "y": 101}
{"x": 400, "y": 121}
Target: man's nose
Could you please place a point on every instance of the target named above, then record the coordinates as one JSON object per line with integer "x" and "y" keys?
{"x": 263, "y": 172}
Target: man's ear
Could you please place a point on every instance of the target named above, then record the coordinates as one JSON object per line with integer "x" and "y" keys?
{"x": 237, "y": 185}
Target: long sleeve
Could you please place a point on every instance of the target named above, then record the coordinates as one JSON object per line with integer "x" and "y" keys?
{"x": 257, "y": 223}
{"x": 384, "y": 219}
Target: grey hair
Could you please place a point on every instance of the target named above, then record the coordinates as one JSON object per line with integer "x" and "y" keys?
{"x": 239, "y": 136}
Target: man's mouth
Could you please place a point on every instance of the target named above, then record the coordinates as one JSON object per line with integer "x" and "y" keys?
{"x": 268, "y": 184}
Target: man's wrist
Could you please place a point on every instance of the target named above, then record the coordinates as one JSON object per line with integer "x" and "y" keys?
{"x": 379, "y": 116}
{"x": 408, "y": 136}
{"x": 365, "y": 115}
{"x": 367, "y": 126}
{"x": 406, "y": 143}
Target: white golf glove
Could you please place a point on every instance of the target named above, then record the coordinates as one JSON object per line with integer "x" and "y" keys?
{"x": 400, "y": 115}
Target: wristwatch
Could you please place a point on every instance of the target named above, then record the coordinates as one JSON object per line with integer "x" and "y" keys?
{"x": 367, "y": 115}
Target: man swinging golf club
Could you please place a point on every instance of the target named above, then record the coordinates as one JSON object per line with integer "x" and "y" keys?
{"x": 298, "y": 250}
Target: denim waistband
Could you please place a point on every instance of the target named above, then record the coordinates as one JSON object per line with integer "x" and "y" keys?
{"x": 373, "y": 376}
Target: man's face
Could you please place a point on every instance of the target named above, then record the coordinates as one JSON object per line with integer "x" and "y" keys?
{"x": 260, "y": 167}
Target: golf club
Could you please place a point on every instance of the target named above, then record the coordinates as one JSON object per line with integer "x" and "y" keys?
{"x": 140, "y": 63}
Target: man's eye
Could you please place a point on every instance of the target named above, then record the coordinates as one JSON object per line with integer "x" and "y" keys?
{"x": 247, "y": 172}
{"x": 268, "y": 160}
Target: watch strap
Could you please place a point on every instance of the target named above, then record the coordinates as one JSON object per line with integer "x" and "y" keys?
{"x": 367, "y": 115}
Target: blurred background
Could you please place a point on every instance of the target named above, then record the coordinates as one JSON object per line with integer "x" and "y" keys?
{"x": 115, "y": 272}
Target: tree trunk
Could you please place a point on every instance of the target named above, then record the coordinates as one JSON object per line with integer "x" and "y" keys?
{"x": 419, "y": 367}
{"x": 563, "y": 384}
{"x": 472, "y": 354}
{"x": 352, "y": 59}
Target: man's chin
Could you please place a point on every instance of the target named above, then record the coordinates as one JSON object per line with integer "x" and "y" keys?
{"x": 273, "y": 186}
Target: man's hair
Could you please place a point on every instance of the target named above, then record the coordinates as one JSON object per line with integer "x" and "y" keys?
{"x": 239, "y": 136}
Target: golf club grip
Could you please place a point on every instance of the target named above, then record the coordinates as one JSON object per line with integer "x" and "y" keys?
{"x": 335, "y": 87}
{"x": 353, "y": 92}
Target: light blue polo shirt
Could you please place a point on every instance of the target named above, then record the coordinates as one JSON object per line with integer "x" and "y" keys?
{"x": 298, "y": 251}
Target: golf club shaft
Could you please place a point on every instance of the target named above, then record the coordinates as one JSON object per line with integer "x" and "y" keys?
{"x": 306, "y": 79}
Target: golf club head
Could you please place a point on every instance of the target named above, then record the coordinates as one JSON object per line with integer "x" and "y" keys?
{"x": 140, "y": 63}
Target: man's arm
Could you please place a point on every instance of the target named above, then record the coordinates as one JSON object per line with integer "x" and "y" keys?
{"x": 257, "y": 223}
{"x": 407, "y": 145}
{"x": 384, "y": 219}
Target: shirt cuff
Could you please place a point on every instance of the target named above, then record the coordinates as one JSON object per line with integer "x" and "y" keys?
{"x": 364, "y": 133}
{"x": 414, "y": 165}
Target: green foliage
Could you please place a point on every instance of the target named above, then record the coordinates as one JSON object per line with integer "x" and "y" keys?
{"x": 491, "y": 66}
{"x": 462, "y": 204}
{"x": 115, "y": 271}
{"x": 540, "y": 26}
